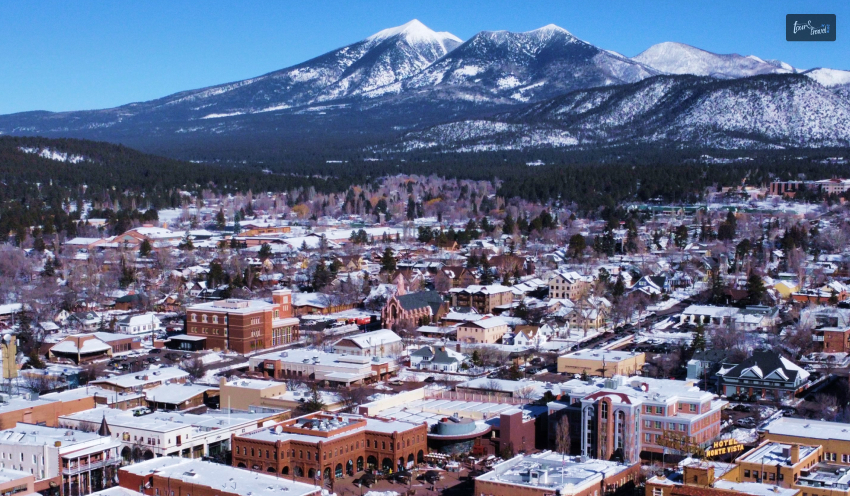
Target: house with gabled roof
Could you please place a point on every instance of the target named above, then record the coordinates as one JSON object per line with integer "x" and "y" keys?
{"x": 436, "y": 358}
{"x": 766, "y": 374}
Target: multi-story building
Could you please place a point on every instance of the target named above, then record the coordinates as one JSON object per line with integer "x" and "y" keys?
{"x": 72, "y": 461}
{"x": 487, "y": 330}
{"x": 179, "y": 476}
{"x": 568, "y": 285}
{"x": 244, "y": 326}
{"x": 766, "y": 374}
{"x": 484, "y": 299}
{"x": 834, "y": 437}
{"x": 604, "y": 363}
{"x": 318, "y": 365}
{"x": 711, "y": 478}
{"x": 170, "y": 433}
{"x": 548, "y": 473}
{"x": 619, "y": 417}
{"x": 331, "y": 446}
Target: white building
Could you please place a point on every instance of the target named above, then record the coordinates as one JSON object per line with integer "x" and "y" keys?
{"x": 169, "y": 433}
{"x": 380, "y": 343}
{"x": 81, "y": 462}
{"x": 139, "y": 324}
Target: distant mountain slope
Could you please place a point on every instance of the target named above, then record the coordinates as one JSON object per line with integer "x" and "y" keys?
{"x": 680, "y": 111}
{"x": 678, "y": 58}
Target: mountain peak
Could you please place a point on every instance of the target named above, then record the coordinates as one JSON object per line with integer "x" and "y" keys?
{"x": 550, "y": 28}
{"x": 413, "y": 31}
{"x": 679, "y": 58}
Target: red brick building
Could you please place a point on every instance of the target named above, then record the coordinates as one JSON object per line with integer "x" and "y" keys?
{"x": 331, "y": 446}
{"x": 244, "y": 326}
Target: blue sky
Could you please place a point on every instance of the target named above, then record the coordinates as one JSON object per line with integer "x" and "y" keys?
{"x": 71, "y": 55}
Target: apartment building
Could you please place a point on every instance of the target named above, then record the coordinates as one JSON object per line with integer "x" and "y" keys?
{"x": 330, "y": 446}
{"x": 619, "y": 417}
{"x": 484, "y": 299}
{"x": 244, "y": 326}
{"x": 487, "y": 330}
{"x": 568, "y": 285}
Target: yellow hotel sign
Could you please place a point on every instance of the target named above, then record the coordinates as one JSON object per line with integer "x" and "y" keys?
{"x": 724, "y": 447}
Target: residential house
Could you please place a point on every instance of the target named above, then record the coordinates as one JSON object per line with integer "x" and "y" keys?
{"x": 568, "y": 284}
{"x": 765, "y": 374}
{"x": 139, "y": 324}
{"x": 436, "y": 358}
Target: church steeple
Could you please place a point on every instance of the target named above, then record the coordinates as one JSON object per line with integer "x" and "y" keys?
{"x": 104, "y": 427}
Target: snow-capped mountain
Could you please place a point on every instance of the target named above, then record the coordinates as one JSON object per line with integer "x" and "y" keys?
{"x": 678, "y": 58}
{"x": 771, "y": 111}
{"x": 427, "y": 89}
{"x": 506, "y": 67}
{"x": 830, "y": 77}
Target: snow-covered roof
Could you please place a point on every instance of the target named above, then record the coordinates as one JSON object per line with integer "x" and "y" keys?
{"x": 174, "y": 394}
{"x": 370, "y": 339}
{"x": 219, "y": 477}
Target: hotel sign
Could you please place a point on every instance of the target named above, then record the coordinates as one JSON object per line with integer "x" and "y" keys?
{"x": 724, "y": 447}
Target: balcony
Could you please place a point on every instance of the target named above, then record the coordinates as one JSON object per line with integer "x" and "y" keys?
{"x": 85, "y": 467}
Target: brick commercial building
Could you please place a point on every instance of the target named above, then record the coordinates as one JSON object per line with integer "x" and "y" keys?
{"x": 548, "y": 474}
{"x": 711, "y": 478}
{"x": 624, "y": 418}
{"x": 244, "y": 326}
{"x": 320, "y": 366}
{"x": 331, "y": 446}
{"x": 180, "y": 476}
{"x": 834, "y": 437}
{"x": 603, "y": 363}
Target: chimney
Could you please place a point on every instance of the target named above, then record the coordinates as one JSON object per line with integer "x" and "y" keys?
{"x": 795, "y": 454}
{"x": 457, "y": 347}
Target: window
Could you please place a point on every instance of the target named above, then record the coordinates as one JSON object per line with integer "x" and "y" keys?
{"x": 692, "y": 407}
{"x": 657, "y": 491}
{"x": 194, "y": 319}
{"x": 746, "y": 473}
{"x": 657, "y": 424}
{"x": 215, "y": 319}
{"x": 647, "y": 437}
{"x": 682, "y": 427}
{"x": 204, "y": 318}
{"x": 659, "y": 410}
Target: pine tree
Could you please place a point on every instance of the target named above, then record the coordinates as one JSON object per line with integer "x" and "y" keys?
{"x": 145, "y": 248}
{"x": 698, "y": 343}
{"x": 388, "y": 261}
{"x": 486, "y": 271}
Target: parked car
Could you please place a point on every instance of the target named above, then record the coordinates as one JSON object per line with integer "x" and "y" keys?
{"x": 430, "y": 379}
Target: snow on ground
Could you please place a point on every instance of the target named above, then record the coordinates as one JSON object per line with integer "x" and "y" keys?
{"x": 743, "y": 436}
{"x": 381, "y": 493}
{"x": 211, "y": 358}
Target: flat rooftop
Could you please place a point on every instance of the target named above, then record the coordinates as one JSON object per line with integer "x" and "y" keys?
{"x": 599, "y": 355}
{"x": 815, "y": 429}
{"x": 221, "y": 477}
{"x": 570, "y": 476}
{"x": 775, "y": 454}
